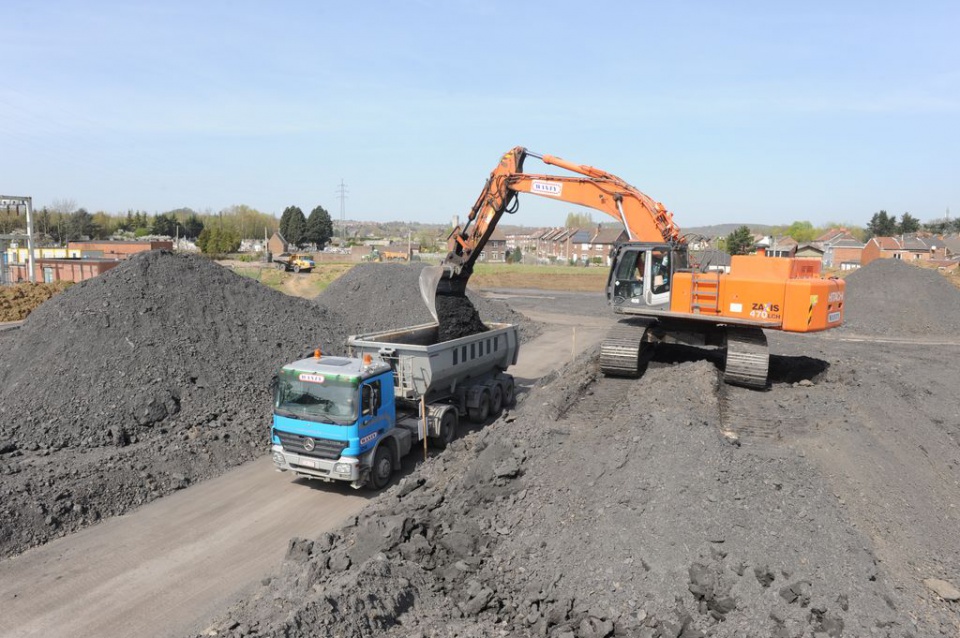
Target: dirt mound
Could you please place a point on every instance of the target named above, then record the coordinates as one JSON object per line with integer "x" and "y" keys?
{"x": 892, "y": 298}
{"x": 18, "y": 301}
{"x": 588, "y": 514}
{"x": 127, "y": 386}
{"x": 372, "y": 297}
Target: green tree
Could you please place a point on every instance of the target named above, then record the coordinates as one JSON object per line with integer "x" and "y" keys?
{"x": 802, "y": 231}
{"x": 909, "y": 223}
{"x": 218, "y": 241}
{"x": 165, "y": 224}
{"x": 292, "y": 225}
{"x": 192, "y": 227}
{"x": 79, "y": 225}
{"x": 319, "y": 227}
{"x": 579, "y": 220}
{"x": 882, "y": 225}
{"x": 740, "y": 241}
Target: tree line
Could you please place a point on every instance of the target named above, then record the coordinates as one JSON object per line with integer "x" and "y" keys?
{"x": 218, "y": 233}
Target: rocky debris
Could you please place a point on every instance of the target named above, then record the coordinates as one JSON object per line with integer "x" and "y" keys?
{"x": 604, "y": 507}
{"x": 891, "y": 298}
{"x": 943, "y": 589}
{"x": 157, "y": 375}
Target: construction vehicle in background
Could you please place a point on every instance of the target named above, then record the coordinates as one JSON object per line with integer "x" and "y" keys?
{"x": 660, "y": 293}
{"x": 294, "y": 262}
{"x": 353, "y": 418}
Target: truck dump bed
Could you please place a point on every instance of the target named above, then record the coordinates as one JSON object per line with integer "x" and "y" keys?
{"x": 427, "y": 368}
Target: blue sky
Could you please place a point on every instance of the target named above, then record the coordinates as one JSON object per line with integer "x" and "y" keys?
{"x": 753, "y": 112}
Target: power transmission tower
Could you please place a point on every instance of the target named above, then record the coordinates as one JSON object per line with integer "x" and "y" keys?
{"x": 342, "y": 194}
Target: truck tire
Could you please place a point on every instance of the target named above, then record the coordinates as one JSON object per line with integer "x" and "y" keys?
{"x": 480, "y": 413}
{"x": 496, "y": 398}
{"x": 382, "y": 469}
{"x": 448, "y": 430}
{"x": 296, "y": 268}
{"x": 509, "y": 392}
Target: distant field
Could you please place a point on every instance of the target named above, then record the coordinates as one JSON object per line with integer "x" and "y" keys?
{"x": 572, "y": 278}
{"x": 307, "y": 285}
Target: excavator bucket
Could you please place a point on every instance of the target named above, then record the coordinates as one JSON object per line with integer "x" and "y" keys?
{"x": 429, "y": 280}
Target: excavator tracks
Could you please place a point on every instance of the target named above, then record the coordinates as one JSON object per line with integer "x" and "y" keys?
{"x": 748, "y": 359}
{"x": 623, "y": 350}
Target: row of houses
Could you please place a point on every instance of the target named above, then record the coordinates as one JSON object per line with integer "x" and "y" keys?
{"x": 578, "y": 245}
{"x": 839, "y": 249}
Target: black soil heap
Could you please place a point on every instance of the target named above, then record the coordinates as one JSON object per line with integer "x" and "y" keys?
{"x": 891, "y": 298}
{"x": 374, "y": 297}
{"x": 457, "y": 317}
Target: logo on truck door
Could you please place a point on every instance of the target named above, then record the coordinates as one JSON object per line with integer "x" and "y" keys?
{"x": 312, "y": 378}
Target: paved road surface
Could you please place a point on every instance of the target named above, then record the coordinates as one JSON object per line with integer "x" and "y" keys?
{"x": 169, "y": 567}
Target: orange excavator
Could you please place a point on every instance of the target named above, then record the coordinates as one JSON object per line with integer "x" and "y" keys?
{"x": 661, "y": 294}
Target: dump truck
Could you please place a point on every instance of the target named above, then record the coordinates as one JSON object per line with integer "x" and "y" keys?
{"x": 354, "y": 418}
{"x": 294, "y": 262}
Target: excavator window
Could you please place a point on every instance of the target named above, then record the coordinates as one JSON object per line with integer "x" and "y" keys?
{"x": 630, "y": 273}
{"x": 661, "y": 271}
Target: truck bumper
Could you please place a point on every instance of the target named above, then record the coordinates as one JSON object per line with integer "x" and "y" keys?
{"x": 343, "y": 469}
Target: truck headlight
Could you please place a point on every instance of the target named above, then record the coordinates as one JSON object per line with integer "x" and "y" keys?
{"x": 341, "y": 468}
{"x": 278, "y": 459}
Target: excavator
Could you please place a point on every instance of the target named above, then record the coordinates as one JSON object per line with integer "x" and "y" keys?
{"x": 660, "y": 293}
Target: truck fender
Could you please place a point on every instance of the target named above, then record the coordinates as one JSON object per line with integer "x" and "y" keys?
{"x": 398, "y": 441}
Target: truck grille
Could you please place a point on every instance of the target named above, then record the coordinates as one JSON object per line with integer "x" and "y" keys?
{"x": 323, "y": 448}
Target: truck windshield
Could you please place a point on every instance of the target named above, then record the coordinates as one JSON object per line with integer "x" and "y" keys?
{"x": 316, "y": 397}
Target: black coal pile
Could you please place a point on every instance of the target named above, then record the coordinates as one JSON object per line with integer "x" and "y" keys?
{"x": 601, "y": 507}
{"x": 374, "y": 297}
{"x": 457, "y": 317}
{"x": 139, "y": 382}
{"x": 891, "y": 298}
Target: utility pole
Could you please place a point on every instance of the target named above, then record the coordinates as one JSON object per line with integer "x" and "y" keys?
{"x": 342, "y": 194}
{"x": 28, "y": 201}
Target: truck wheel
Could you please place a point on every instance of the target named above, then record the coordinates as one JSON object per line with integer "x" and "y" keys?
{"x": 382, "y": 469}
{"x": 480, "y": 413}
{"x": 448, "y": 430}
{"x": 496, "y": 399}
{"x": 296, "y": 268}
{"x": 509, "y": 392}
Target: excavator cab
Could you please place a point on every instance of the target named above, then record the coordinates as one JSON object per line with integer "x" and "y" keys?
{"x": 642, "y": 273}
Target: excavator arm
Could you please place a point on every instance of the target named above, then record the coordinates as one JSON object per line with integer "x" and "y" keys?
{"x": 642, "y": 217}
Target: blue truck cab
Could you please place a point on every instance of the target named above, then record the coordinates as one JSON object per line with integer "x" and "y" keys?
{"x": 332, "y": 416}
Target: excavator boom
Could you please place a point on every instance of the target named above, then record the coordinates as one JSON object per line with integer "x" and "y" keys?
{"x": 644, "y": 219}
